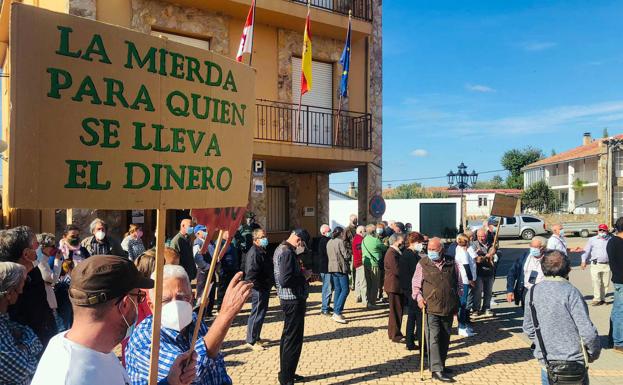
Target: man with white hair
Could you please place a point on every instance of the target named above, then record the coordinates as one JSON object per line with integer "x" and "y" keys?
{"x": 486, "y": 254}
{"x": 99, "y": 242}
{"x": 323, "y": 269}
{"x": 360, "y": 274}
{"x": 525, "y": 272}
{"x": 178, "y": 323}
{"x": 437, "y": 285}
{"x": 19, "y": 345}
{"x": 557, "y": 241}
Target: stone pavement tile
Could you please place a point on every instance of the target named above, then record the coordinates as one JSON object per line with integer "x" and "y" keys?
{"x": 361, "y": 353}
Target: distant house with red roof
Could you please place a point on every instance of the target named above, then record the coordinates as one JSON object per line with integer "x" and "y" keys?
{"x": 478, "y": 202}
{"x": 579, "y": 177}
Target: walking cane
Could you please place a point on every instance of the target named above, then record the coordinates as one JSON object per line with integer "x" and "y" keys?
{"x": 422, "y": 345}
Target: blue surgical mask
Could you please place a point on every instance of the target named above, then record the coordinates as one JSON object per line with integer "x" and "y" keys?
{"x": 535, "y": 252}
{"x": 603, "y": 235}
{"x": 562, "y": 233}
{"x": 40, "y": 256}
{"x": 434, "y": 255}
{"x": 379, "y": 230}
{"x": 190, "y": 230}
{"x": 264, "y": 242}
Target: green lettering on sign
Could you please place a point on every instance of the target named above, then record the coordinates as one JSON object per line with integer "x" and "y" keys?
{"x": 130, "y": 166}
{"x": 63, "y": 48}
{"x": 56, "y": 84}
{"x": 75, "y": 173}
{"x": 224, "y": 174}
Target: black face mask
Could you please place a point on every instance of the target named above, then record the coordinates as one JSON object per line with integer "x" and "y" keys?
{"x": 74, "y": 241}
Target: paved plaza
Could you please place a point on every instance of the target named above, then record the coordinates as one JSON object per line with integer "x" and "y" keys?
{"x": 361, "y": 353}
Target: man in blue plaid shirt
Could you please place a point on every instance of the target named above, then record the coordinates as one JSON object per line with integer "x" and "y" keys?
{"x": 178, "y": 322}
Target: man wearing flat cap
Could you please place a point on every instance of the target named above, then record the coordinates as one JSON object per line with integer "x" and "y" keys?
{"x": 105, "y": 293}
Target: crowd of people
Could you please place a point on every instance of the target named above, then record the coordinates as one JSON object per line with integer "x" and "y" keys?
{"x": 66, "y": 305}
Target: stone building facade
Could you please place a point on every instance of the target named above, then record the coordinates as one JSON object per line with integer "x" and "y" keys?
{"x": 303, "y": 169}
{"x": 588, "y": 180}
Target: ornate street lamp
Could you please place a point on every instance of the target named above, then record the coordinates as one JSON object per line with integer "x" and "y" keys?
{"x": 462, "y": 180}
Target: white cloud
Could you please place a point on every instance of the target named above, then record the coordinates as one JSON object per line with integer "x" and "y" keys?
{"x": 535, "y": 46}
{"x": 479, "y": 88}
{"x": 419, "y": 153}
{"x": 438, "y": 116}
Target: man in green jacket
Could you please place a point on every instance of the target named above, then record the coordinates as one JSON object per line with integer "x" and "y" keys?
{"x": 373, "y": 250}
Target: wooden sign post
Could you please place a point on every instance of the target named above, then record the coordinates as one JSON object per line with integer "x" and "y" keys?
{"x": 504, "y": 206}
{"x": 151, "y": 123}
{"x": 224, "y": 219}
{"x": 157, "y": 315}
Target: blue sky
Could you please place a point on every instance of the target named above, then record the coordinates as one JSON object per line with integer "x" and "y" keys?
{"x": 465, "y": 81}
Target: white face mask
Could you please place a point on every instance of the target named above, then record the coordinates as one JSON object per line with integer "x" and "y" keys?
{"x": 130, "y": 328}
{"x": 419, "y": 247}
{"x": 176, "y": 315}
{"x": 100, "y": 235}
{"x": 300, "y": 250}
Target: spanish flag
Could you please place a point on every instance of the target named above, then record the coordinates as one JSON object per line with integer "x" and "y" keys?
{"x": 306, "y": 62}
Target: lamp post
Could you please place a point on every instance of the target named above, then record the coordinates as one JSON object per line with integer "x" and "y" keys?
{"x": 462, "y": 180}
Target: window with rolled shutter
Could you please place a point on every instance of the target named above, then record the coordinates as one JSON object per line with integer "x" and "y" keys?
{"x": 316, "y": 121}
{"x": 192, "y": 41}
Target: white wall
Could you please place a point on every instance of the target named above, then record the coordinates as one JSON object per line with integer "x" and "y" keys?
{"x": 586, "y": 201}
{"x": 471, "y": 205}
{"x": 340, "y": 210}
{"x": 402, "y": 210}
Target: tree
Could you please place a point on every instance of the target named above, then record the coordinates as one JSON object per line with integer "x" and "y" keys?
{"x": 578, "y": 185}
{"x": 514, "y": 160}
{"x": 540, "y": 198}
{"x": 605, "y": 133}
{"x": 553, "y": 152}
{"x": 411, "y": 191}
{"x": 495, "y": 183}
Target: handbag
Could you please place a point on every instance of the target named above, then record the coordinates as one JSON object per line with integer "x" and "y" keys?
{"x": 558, "y": 372}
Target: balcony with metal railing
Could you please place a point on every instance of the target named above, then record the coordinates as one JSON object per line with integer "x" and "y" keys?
{"x": 313, "y": 126}
{"x": 361, "y": 9}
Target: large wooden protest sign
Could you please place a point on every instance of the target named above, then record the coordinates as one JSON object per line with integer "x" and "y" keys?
{"x": 109, "y": 118}
{"x": 504, "y": 206}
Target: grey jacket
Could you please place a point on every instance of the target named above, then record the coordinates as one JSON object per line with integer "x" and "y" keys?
{"x": 563, "y": 318}
{"x": 339, "y": 257}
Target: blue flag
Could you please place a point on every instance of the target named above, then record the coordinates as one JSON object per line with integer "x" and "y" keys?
{"x": 345, "y": 62}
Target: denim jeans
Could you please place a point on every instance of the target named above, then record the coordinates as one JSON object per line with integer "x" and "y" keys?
{"x": 463, "y": 310}
{"x": 340, "y": 286}
{"x": 617, "y": 315}
{"x": 259, "y": 306}
{"x": 327, "y": 289}
{"x": 483, "y": 293}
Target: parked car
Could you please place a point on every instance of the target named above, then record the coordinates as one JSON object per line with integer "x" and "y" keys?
{"x": 583, "y": 229}
{"x": 520, "y": 226}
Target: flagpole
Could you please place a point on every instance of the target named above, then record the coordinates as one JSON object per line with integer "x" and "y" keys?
{"x": 298, "y": 118}
{"x": 339, "y": 111}
{"x": 339, "y": 106}
{"x": 252, "y": 34}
